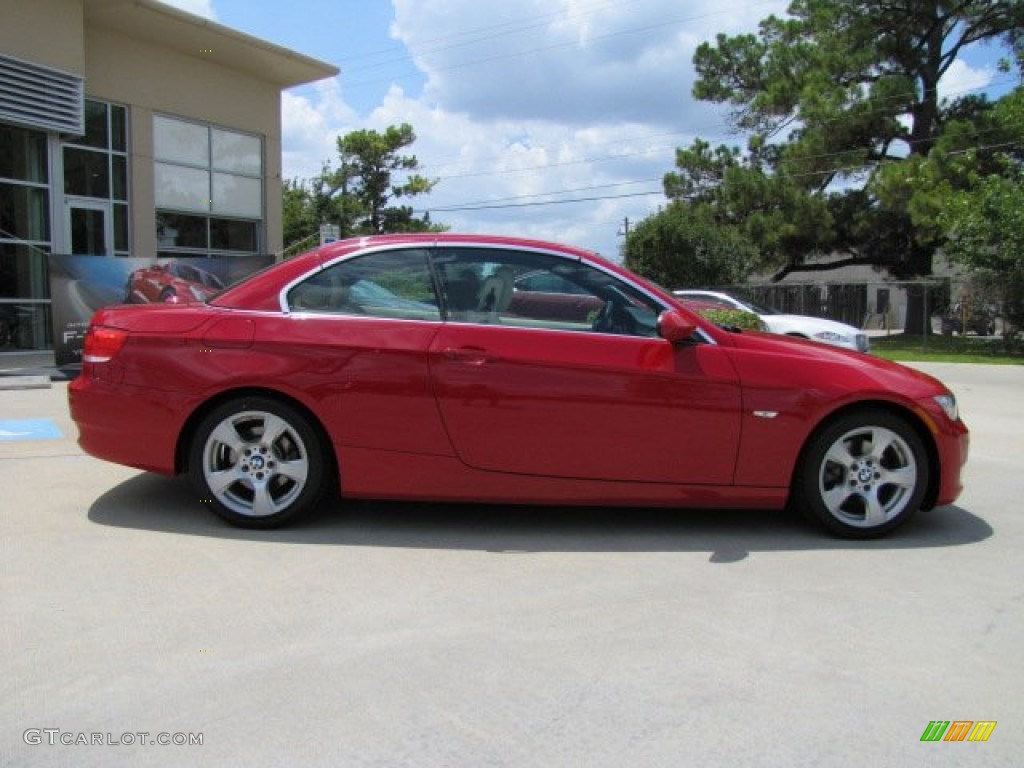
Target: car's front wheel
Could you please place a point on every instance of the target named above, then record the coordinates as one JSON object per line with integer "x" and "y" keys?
{"x": 258, "y": 461}
{"x": 863, "y": 475}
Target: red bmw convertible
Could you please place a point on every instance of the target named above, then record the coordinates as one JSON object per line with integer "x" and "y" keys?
{"x": 425, "y": 367}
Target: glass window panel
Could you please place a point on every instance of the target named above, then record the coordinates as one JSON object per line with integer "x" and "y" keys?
{"x": 95, "y": 126}
{"x": 175, "y": 230}
{"x": 24, "y": 213}
{"x": 395, "y": 284}
{"x": 233, "y": 235}
{"x": 119, "y": 166}
{"x": 237, "y": 195}
{"x": 22, "y": 154}
{"x": 237, "y": 153}
{"x": 118, "y": 128}
{"x": 23, "y": 272}
{"x": 177, "y": 141}
{"x": 489, "y": 286}
{"x": 24, "y": 326}
{"x": 120, "y": 227}
{"x": 88, "y": 232}
{"x": 185, "y": 188}
{"x": 86, "y": 173}
{"x": 8, "y": 324}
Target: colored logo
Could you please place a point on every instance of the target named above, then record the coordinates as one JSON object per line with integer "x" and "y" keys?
{"x": 958, "y": 730}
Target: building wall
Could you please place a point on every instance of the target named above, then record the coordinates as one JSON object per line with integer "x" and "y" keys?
{"x": 47, "y": 32}
{"x": 148, "y": 79}
{"x": 120, "y": 69}
{"x": 134, "y": 59}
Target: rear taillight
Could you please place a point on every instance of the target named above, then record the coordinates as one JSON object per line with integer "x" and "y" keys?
{"x": 102, "y": 343}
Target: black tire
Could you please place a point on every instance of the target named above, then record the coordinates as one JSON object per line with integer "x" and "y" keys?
{"x": 863, "y": 475}
{"x": 253, "y": 480}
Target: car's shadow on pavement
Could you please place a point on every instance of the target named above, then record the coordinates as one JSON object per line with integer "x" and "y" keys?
{"x": 165, "y": 505}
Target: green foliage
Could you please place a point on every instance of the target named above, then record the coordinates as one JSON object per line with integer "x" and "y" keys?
{"x": 299, "y": 216}
{"x": 841, "y": 99}
{"x": 975, "y": 199}
{"x": 732, "y": 318}
{"x": 683, "y": 246}
{"x": 843, "y": 77}
{"x": 369, "y": 162}
{"x": 359, "y": 196}
{"x": 946, "y": 349}
{"x": 987, "y": 223}
{"x": 982, "y": 205}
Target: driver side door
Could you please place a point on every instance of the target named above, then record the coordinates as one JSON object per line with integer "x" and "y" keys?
{"x": 591, "y": 395}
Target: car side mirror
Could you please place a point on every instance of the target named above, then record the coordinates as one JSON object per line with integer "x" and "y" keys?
{"x": 674, "y": 328}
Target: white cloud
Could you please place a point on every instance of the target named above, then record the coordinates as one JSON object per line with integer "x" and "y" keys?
{"x": 963, "y": 80}
{"x": 312, "y": 118}
{"x": 565, "y": 61}
{"x": 529, "y": 101}
{"x": 202, "y": 8}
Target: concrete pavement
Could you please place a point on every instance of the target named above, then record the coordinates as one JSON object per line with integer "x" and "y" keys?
{"x": 442, "y": 635}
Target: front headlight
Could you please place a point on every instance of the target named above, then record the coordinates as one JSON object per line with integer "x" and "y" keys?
{"x": 947, "y": 403}
{"x": 833, "y": 337}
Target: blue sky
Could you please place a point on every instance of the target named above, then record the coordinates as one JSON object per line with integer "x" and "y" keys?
{"x": 544, "y": 118}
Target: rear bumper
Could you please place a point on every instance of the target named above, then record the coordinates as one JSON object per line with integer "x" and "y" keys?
{"x": 128, "y": 425}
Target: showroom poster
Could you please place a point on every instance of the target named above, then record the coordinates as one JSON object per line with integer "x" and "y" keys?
{"x": 79, "y": 285}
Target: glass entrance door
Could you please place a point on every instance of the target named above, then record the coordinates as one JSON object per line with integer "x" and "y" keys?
{"x": 88, "y": 229}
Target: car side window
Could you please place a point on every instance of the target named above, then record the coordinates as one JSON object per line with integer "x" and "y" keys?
{"x": 536, "y": 290}
{"x": 394, "y": 284}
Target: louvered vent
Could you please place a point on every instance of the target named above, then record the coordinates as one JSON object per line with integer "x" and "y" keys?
{"x": 40, "y": 97}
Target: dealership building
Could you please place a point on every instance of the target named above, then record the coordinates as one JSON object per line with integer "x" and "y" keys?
{"x": 131, "y": 128}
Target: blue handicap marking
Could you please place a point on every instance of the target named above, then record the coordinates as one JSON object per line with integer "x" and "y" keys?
{"x": 29, "y": 429}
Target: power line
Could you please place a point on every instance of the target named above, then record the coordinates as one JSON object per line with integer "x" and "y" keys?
{"x": 498, "y": 205}
{"x": 650, "y": 150}
{"x": 532, "y": 22}
{"x": 485, "y": 207}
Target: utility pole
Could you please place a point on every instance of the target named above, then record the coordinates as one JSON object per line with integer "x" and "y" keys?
{"x": 624, "y": 234}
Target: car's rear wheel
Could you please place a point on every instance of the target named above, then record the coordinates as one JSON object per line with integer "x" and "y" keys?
{"x": 258, "y": 461}
{"x": 863, "y": 475}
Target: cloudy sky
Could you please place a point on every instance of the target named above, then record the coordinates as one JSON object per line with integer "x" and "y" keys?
{"x": 547, "y": 118}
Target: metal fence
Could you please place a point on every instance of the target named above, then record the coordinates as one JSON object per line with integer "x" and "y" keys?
{"x": 882, "y": 305}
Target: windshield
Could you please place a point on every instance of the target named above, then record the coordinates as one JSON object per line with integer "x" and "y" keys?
{"x": 760, "y": 309}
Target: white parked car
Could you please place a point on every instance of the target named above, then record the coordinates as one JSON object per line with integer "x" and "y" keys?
{"x": 802, "y": 326}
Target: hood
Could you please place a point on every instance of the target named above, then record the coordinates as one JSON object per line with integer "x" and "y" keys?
{"x": 801, "y": 360}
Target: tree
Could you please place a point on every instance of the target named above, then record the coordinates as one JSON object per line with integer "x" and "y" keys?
{"x": 836, "y": 95}
{"x": 683, "y": 246}
{"x": 769, "y": 210}
{"x": 298, "y": 212}
{"x": 359, "y": 195}
{"x": 985, "y": 217}
{"x": 369, "y": 162}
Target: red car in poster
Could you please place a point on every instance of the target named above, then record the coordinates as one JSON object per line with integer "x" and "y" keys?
{"x": 415, "y": 367}
{"x": 171, "y": 281}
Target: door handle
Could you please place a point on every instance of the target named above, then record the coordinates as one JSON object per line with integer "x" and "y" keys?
{"x": 467, "y": 355}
